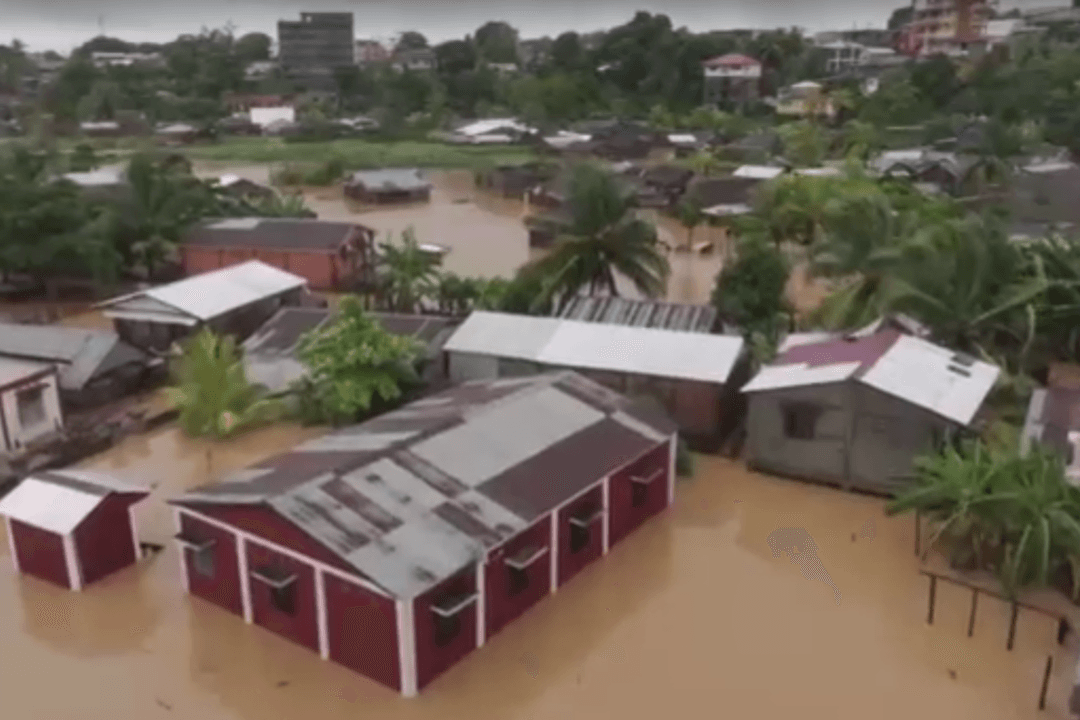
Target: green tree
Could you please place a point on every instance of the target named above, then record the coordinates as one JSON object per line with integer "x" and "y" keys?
{"x": 410, "y": 40}
{"x": 354, "y": 363}
{"x": 750, "y": 293}
{"x": 497, "y": 42}
{"x": 252, "y": 47}
{"x": 600, "y": 239}
{"x": 690, "y": 215}
{"x": 407, "y": 273}
{"x": 211, "y": 390}
{"x": 804, "y": 142}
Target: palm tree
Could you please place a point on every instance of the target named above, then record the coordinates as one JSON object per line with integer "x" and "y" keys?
{"x": 408, "y": 274}
{"x": 211, "y": 389}
{"x": 601, "y": 238}
{"x": 690, "y": 216}
{"x": 1059, "y": 314}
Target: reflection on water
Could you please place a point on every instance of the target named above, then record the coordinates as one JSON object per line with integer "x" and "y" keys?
{"x": 690, "y": 612}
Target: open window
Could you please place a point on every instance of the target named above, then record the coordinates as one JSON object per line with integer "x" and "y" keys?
{"x": 517, "y": 567}
{"x": 446, "y": 614}
{"x": 639, "y": 487}
{"x": 282, "y": 584}
{"x": 581, "y": 524}
{"x": 30, "y": 406}
{"x": 800, "y": 420}
{"x": 202, "y": 553}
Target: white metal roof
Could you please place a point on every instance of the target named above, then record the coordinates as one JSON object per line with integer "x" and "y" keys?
{"x": 804, "y": 338}
{"x": 12, "y": 371}
{"x": 486, "y": 127}
{"x": 110, "y": 175}
{"x": 921, "y": 373}
{"x": 778, "y": 377}
{"x": 59, "y": 508}
{"x": 682, "y": 138}
{"x": 215, "y": 293}
{"x": 728, "y": 209}
{"x": 759, "y": 172}
{"x": 599, "y": 346}
{"x": 819, "y": 172}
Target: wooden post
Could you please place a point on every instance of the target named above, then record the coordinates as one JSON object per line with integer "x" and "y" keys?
{"x": 1046, "y": 681}
{"x": 974, "y": 604}
{"x": 933, "y": 591}
{"x": 1012, "y": 626}
{"x": 1063, "y": 630}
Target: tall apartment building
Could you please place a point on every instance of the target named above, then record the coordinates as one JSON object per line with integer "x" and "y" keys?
{"x": 310, "y": 49}
{"x": 946, "y": 26}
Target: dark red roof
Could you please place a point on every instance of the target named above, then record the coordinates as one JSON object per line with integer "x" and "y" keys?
{"x": 730, "y": 60}
{"x": 866, "y": 350}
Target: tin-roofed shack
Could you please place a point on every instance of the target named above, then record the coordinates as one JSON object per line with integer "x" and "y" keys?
{"x": 856, "y": 410}
{"x": 693, "y": 375}
{"x": 234, "y": 300}
{"x": 329, "y": 255}
{"x": 1053, "y": 417}
{"x": 388, "y": 186}
{"x": 398, "y": 546}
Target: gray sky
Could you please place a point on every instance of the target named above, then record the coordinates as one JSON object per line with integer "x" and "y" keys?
{"x": 63, "y": 24}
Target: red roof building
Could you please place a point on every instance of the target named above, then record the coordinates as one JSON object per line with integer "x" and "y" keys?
{"x": 71, "y": 527}
{"x": 731, "y": 79}
{"x": 398, "y": 546}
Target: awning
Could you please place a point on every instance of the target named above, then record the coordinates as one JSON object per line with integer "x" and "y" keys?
{"x": 648, "y": 479}
{"x": 526, "y": 557}
{"x": 584, "y": 520}
{"x": 192, "y": 542}
{"x": 451, "y": 606}
{"x": 274, "y": 577}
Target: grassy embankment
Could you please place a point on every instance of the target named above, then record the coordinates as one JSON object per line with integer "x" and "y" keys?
{"x": 356, "y": 154}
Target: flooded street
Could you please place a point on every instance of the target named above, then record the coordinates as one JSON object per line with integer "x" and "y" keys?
{"x": 690, "y": 617}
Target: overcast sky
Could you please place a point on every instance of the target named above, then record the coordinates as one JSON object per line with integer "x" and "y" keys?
{"x": 63, "y": 24}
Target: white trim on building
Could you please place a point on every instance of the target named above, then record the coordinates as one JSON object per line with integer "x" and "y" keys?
{"x": 71, "y": 560}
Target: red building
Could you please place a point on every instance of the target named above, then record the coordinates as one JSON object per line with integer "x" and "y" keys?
{"x": 329, "y": 255}
{"x": 71, "y": 527}
{"x": 398, "y": 546}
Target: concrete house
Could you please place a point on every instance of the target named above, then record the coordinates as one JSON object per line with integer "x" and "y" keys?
{"x": 234, "y": 300}
{"x": 328, "y": 254}
{"x": 856, "y": 411}
{"x": 29, "y": 403}
{"x": 72, "y": 527}
{"x": 398, "y": 546}
{"x": 690, "y": 374}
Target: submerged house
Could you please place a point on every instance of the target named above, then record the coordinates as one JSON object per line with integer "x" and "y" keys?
{"x": 855, "y": 411}
{"x": 244, "y": 189}
{"x": 30, "y": 407}
{"x": 234, "y": 300}
{"x": 388, "y": 186}
{"x": 692, "y": 375}
{"x": 72, "y": 527}
{"x": 270, "y": 354}
{"x": 327, "y": 254}
{"x": 398, "y": 546}
{"x": 93, "y": 366}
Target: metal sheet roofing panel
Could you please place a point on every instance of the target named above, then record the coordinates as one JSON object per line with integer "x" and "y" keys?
{"x": 928, "y": 376}
{"x": 643, "y": 351}
{"x": 804, "y": 338}
{"x": 758, "y": 172}
{"x": 511, "y": 336}
{"x": 778, "y": 377}
{"x": 507, "y": 435}
{"x": 55, "y": 508}
{"x": 212, "y": 294}
{"x": 12, "y": 371}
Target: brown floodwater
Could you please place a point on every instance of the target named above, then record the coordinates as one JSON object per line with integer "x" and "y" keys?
{"x": 689, "y": 617}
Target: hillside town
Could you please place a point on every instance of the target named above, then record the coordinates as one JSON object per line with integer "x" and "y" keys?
{"x": 509, "y": 377}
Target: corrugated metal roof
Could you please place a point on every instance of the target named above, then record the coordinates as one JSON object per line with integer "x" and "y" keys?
{"x": 213, "y": 294}
{"x": 640, "y": 313}
{"x": 779, "y": 377}
{"x": 599, "y": 346}
{"x": 758, "y": 172}
{"x": 930, "y": 376}
{"x": 80, "y": 353}
{"x": 393, "y": 179}
{"x": 59, "y": 501}
{"x": 12, "y": 371}
{"x": 412, "y": 496}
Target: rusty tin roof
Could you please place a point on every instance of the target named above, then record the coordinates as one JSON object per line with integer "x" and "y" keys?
{"x": 412, "y": 496}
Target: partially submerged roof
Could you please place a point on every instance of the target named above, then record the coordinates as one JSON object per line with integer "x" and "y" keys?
{"x": 641, "y": 313}
{"x": 80, "y": 353}
{"x": 59, "y": 500}
{"x": 303, "y": 234}
{"x": 491, "y": 125}
{"x": 205, "y": 296}
{"x": 411, "y": 497}
{"x": 948, "y": 384}
{"x": 599, "y": 346}
{"x": 102, "y": 177}
{"x": 395, "y": 179}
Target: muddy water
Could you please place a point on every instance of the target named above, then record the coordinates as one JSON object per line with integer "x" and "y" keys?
{"x": 691, "y": 612}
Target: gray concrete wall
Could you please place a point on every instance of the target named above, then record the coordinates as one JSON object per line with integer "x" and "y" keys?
{"x": 768, "y": 448}
{"x": 471, "y": 366}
